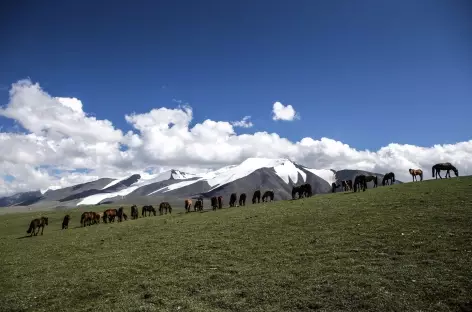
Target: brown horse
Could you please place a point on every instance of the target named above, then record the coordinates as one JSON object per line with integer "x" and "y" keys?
{"x": 87, "y": 218}
{"x": 436, "y": 170}
{"x": 188, "y": 205}
{"x": 95, "y": 217}
{"x": 416, "y": 172}
{"x": 109, "y": 215}
{"x": 388, "y": 179}
{"x": 134, "y": 212}
{"x": 164, "y": 206}
{"x": 65, "y": 222}
{"x": 220, "y": 202}
{"x": 37, "y": 224}
{"x": 360, "y": 182}
{"x": 242, "y": 199}
{"x": 256, "y": 197}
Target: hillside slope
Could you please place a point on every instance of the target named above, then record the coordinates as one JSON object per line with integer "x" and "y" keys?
{"x": 399, "y": 248}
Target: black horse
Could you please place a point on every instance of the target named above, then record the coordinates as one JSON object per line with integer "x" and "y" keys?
{"x": 134, "y": 212}
{"x": 436, "y": 170}
{"x": 388, "y": 179}
{"x": 119, "y": 214}
{"x": 146, "y": 209}
{"x": 232, "y": 199}
{"x": 268, "y": 196}
{"x": 214, "y": 202}
{"x": 360, "y": 182}
{"x": 256, "y": 197}
{"x": 242, "y": 199}
{"x": 165, "y": 206}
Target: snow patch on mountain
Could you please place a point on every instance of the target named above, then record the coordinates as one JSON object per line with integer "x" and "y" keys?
{"x": 326, "y": 174}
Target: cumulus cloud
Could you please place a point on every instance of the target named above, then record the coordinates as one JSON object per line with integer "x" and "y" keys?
{"x": 284, "y": 112}
{"x": 59, "y": 138}
{"x": 243, "y": 123}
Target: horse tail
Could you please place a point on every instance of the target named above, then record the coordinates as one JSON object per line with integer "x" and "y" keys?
{"x": 393, "y": 177}
{"x": 30, "y": 227}
{"x": 421, "y": 175}
{"x": 432, "y": 171}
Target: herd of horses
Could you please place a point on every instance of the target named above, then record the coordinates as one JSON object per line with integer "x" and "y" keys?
{"x": 360, "y": 182}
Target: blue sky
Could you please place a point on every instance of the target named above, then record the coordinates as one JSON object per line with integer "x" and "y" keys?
{"x": 366, "y": 73}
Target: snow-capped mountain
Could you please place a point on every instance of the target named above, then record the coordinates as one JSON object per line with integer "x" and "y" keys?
{"x": 278, "y": 175}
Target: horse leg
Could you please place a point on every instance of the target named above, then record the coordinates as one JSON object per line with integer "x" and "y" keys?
{"x": 448, "y": 173}
{"x": 439, "y": 174}
{"x": 42, "y": 230}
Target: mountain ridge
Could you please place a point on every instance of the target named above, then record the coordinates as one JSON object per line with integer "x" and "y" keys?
{"x": 279, "y": 175}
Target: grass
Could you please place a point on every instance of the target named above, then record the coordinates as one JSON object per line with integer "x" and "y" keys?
{"x": 401, "y": 248}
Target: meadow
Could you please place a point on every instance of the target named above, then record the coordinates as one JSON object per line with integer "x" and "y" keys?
{"x": 405, "y": 247}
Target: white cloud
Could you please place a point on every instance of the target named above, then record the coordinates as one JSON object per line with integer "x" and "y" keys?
{"x": 282, "y": 112}
{"x": 164, "y": 138}
{"x": 243, "y": 123}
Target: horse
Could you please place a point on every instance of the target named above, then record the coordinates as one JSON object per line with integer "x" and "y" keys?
{"x": 37, "y": 224}
{"x": 119, "y": 214}
{"x": 360, "y": 182}
{"x": 242, "y": 199}
{"x": 415, "y": 172}
{"x": 146, "y": 209}
{"x": 232, "y": 199}
{"x": 220, "y": 202}
{"x": 86, "y": 218}
{"x": 256, "y": 196}
{"x": 346, "y": 185}
{"x": 334, "y": 186}
{"x": 305, "y": 190}
{"x": 134, "y": 212}
{"x": 198, "y": 205}
{"x": 95, "y": 217}
{"x": 125, "y": 216}
{"x": 165, "y": 206}
{"x": 188, "y": 205}
{"x": 373, "y": 178}
{"x": 109, "y": 215}
{"x": 295, "y": 191}
{"x": 65, "y": 222}
{"x": 436, "y": 170}
{"x": 388, "y": 179}
{"x": 268, "y": 195}
{"x": 214, "y": 203}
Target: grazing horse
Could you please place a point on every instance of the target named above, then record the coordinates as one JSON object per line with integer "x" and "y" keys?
{"x": 37, "y": 224}
{"x": 295, "y": 191}
{"x": 86, "y": 218}
{"x": 198, "y": 205}
{"x": 214, "y": 203}
{"x": 95, "y": 217}
{"x": 220, "y": 202}
{"x": 109, "y": 215}
{"x": 242, "y": 199}
{"x": 305, "y": 190}
{"x": 165, "y": 206}
{"x": 65, "y": 222}
{"x": 372, "y": 178}
{"x": 119, "y": 214}
{"x": 268, "y": 196}
{"x": 416, "y": 172}
{"x": 188, "y": 205}
{"x": 256, "y": 196}
{"x": 232, "y": 199}
{"x": 436, "y": 170}
{"x": 134, "y": 212}
{"x": 360, "y": 182}
{"x": 146, "y": 209}
{"x": 388, "y": 179}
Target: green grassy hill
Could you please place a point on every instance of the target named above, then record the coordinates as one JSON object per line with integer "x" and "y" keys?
{"x": 401, "y": 248}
